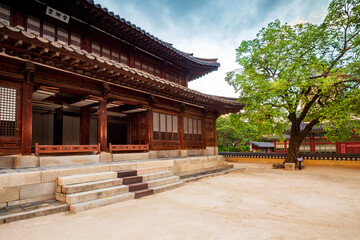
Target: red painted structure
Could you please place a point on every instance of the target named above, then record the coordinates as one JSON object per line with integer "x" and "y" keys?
{"x": 314, "y": 144}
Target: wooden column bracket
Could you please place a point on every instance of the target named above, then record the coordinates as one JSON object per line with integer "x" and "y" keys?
{"x": 105, "y": 90}
{"x": 29, "y": 72}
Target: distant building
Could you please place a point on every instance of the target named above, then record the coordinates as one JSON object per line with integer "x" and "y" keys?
{"x": 316, "y": 142}
{"x": 261, "y": 146}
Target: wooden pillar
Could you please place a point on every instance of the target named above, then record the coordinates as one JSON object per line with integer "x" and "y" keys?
{"x": 26, "y": 126}
{"x": 162, "y": 70}
{"x": 187, "y": 77}
{"x": 149, "y": 128}
{"x": 17, "y": 18}
{"x": 312, "y": 144}
{"x": 215, "y": 133}
{"x": 129, "y": 128}
{"x": 338, "y": 147}
{"x": 58, "y": 127}
{"x": 132, "y": 59}
{"x": 85, "y": 125}
{"x": 203, "y": 129}
{"x": 274, "y": 146}
{"x": 102, "y": 125}
{"x": 181, "y": 129}
{"x": 285, "y": 145}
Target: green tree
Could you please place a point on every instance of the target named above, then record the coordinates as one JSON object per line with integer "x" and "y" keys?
{"x": 232, "y": 131}
{"x": 303, "y": 74}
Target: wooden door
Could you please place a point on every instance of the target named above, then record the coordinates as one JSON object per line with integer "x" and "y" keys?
{"x": 10, "y": 121}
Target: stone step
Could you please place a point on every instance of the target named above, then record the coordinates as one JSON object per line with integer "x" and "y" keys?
{"x": 143, "y": 193}
{"x": 61, "y": 207}
{"x": 166, "y": 187}
{"x": 126, "y": 173}
{"x": 83, "y": 187}
{"x": 82, "y": 178}
{"x": 153, "y": 176}
{"x": 132, "y": 179}
{"x": 143, "y": 171}
{"x": 137, "y": 186}
{"x": 162, "y": 181}
{"x": 100, "y": 202}
{"x": 95, "y": 194}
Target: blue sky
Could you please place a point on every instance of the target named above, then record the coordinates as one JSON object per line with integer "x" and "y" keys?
{"x": 213, "y": 28}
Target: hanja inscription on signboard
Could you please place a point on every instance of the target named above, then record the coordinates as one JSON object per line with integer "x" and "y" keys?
{"x": 57, "y": 14}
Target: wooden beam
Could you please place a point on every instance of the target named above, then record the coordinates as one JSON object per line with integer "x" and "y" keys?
{"x": 65, "y": 58}
{"x": 3, "y": 37}
{"x": 54, "y": 54}
{"x": 44, "y": 50}
{"x": 102, "y": 69}
{"x": 18, "y": 43}
{"x": 75, "y": 61}
{"x": 31, "y": 47}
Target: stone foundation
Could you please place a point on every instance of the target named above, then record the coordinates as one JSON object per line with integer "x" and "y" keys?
{"x": 35, "y": 185}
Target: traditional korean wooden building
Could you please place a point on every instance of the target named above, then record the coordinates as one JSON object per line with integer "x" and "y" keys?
{"x": 316, "y": 142}
{"x": 75, "y": 77}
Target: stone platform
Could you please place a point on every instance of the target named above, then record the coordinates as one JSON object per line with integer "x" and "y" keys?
{"x": 22, "y": 186}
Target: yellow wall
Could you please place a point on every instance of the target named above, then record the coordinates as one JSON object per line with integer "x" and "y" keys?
{"x": 306, "y": 161}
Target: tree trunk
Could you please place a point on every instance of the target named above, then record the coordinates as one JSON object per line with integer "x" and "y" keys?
{"x": 295, "y": 141}
{"x": 293, "y": 150}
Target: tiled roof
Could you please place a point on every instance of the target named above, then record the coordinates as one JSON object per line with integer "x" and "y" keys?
{"x": 20, "y": 34}
{"x": 202, "y": 61}
{"x": 263, "y": 144}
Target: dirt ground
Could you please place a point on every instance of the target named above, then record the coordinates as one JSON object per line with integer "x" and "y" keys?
{"x": 258, "y": 203}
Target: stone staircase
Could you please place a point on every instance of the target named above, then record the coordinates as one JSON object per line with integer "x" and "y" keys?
{"x": 135, "y": 183}
{"x": 87, "y": 191}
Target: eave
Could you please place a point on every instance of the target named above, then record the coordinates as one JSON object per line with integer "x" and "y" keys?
{"x": 18, "y": 43}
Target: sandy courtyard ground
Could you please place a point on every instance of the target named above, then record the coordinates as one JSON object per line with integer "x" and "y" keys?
{"x": 258, "y": 203}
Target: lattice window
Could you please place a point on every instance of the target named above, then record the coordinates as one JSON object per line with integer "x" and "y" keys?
{"x": 165, "y": 127}
{"x": 7, "y": 112}
{"x": 5, "y": 14}
{"x": 75, "y": 40}
{"x": 192, "y": 129}
{"x": 63, "y": 35}
{"x": 33, "y": 25}
{"x": 49, "y": 31}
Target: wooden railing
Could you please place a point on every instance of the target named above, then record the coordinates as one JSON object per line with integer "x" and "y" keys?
{"x": 312, "y": 156}
{"x": 128, "y": 148}
{"x": 166, "y": 145}
{"x": 65, "y": 148}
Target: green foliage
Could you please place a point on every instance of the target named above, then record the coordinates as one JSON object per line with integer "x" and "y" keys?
{"x": 233, "y": 133}
{"x": 303, "y": 73}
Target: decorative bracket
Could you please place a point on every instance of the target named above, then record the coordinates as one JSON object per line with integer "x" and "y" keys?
{"x": 29, "y": 72}
{"x": 105, "y": 90}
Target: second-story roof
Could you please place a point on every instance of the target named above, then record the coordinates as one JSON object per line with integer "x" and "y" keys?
{"x": 102, "y": 18}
